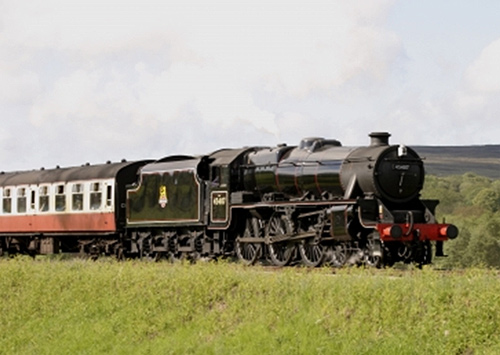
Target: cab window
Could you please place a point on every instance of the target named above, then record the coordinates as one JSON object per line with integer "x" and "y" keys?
{"x": 220, "y": 176}
{"x": 224, "y": 175}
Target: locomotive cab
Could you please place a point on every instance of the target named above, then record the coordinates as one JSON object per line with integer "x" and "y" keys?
{"x": 225, "y": 184}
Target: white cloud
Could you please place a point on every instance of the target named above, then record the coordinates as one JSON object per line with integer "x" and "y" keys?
{"x": 483, "y": 75}
{"x": 476, "y": 104}
{"x": 18, "y": 87}
{"x": 184, "y": 75}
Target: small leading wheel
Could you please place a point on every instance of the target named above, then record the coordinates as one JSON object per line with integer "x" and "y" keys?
{"x": 280, "y": 251}
{"x": 312, "y": 254}
{"x": 373, "y": 254}
{"x": 248, "y": 252}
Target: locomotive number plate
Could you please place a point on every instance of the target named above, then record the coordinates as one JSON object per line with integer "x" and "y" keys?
{"x": 401, "y": 167}
{"x": 219, "y": 206}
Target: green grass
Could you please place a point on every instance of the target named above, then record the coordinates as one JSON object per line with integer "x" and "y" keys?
{"x": 84, "y": 307}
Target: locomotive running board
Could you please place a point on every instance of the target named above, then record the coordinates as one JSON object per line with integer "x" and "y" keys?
{"x": 277, "y": 239}
{"x": 291, "y": 237}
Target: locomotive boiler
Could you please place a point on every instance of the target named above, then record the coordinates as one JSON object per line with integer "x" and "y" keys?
{"x": 322, "y": 168}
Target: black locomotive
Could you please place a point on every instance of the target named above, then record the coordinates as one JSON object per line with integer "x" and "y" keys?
{"x": 316, "y": 203}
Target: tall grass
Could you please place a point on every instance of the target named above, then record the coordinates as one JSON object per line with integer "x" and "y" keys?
{"x": 83, "y": 307}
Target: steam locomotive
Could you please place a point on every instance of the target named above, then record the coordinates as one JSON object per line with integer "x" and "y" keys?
{"x": 316, "y": 203}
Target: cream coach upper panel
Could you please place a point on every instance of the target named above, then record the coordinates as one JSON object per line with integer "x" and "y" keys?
{"x": 80, "y": 196}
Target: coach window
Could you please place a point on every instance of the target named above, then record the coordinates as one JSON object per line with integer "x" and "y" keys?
{"x": 77, "y": 197}
{"x": 43, "y": 199}
{"x": 109, "y": 196}
{"x": 33, "y": 199}
{"x": 60, "y": 198}
{"x": 7, "y": 201}
{"x": 21, "y": 200}
{"x": 95, "y": 195}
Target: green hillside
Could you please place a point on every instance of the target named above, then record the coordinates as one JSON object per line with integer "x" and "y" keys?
{"x": 482, "y": 160}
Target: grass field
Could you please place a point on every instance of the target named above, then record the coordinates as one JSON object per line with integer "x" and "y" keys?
{"x": 84, "y": 307}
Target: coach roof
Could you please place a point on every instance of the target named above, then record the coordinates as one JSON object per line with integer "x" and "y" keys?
{"x": 80, "y": 173}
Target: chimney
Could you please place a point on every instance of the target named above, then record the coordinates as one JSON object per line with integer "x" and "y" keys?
{"x": 379, "y": 138}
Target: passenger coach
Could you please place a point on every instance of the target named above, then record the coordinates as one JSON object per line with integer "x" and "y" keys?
{"x": 63, "y": 208}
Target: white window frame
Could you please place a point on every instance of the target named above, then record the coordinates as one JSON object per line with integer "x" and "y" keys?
{"x": 99, "y": 191}
{"x": 9, "y": 189}
{"x": 17, "y": 190}
{"x": 57, "y": 194}
{"x": 77, "y": 188}
{"x": 48, "y": 195}
{"x": 109, "y": 198}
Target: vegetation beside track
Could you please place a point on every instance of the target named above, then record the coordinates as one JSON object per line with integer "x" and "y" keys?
{"x": 472, "y": 203}
{"x": 83, "y": 307}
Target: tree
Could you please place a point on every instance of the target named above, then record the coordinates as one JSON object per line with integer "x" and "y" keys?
{"x": 487, "y": 198}
{"x": 472, "y": 203}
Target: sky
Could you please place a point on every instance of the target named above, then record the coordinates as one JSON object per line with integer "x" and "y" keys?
{"x": 92, "y": 81}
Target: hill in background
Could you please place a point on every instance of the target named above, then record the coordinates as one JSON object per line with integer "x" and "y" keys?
{"x": 482, "y": 160}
